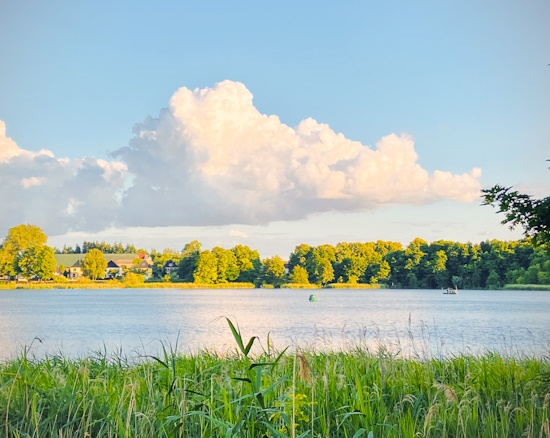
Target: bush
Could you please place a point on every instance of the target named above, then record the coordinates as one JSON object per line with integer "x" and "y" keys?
{"x": 133, "y": 279}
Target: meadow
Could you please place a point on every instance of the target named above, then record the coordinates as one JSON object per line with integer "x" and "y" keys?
{"x": 285, "y": 393}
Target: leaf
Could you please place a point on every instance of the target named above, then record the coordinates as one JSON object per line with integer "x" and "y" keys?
{"x": 236, "y": 335}
{"x": 359, "y": 432}
{"x": 260, "y": 398}
{"x": 274, "y": 431}
{"x": 262, "y": 364}
{"x": 159, "y": 361}
{"x": 242, "y": 379}
{"x": 249, "y": 345}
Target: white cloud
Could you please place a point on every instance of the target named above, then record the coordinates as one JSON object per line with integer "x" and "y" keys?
{"x": 237, "y": 233}
{"x": 32, "y": 182}
{"x": 57, "y": 194}
{"x": 212, "y": 158}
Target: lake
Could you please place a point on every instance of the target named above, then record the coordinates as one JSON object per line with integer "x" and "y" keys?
{"x": 414, "y": 323}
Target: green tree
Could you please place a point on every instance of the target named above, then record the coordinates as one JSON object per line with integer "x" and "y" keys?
{"x": 493, "y": 280}
{"x": 248, "y": 262}
{"x": 274, "y": 271}
{"x": 94, "y": 264}
{"x": 207, "y": 268}
{"x": 439, "y": 269}
{"x": 18, "y": 240}
{"x": 299, "y": 275}
{"x": 521, "y": 209}
{"x": 380, "y": 272}
{"x": 189, "y": 260}
{"x": 227, "y": 267}
{"x": 299, "y": 256}
{"x": 319, "y": 264}
{"x": 37, "y": 262}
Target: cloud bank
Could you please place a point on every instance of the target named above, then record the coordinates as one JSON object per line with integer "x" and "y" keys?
{"x": 57, "y": 194}
{"x": 211, "y": 158}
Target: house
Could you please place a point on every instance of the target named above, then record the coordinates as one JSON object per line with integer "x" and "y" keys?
{"x": 144, "y": 268}
{"x": 113, "y": 270}
{"x": 170, "y": 267}
{"x": 124, "y": 263}
{"x": 76, "y": 270}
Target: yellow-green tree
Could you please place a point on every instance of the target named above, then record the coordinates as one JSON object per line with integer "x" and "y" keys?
{"x": 274, "y": 271}
{"x": 207, "y": 268}
{"x": 24, "y": 252}
{"x": 37, "y": 262}
{"x": 299, "y": 275}
{"x": 94, "y": 264}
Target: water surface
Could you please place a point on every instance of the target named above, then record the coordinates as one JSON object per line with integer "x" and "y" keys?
{"x": 135, "y": 321}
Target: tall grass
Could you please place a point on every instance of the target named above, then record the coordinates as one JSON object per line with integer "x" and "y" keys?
{"x": 527, "y": 287}
{"x": 300, "y": 394}
{"x": 116, "y": 284}
{"x": 355, "y": 286}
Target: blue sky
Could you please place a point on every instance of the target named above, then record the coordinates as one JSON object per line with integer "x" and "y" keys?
{"x": 468, "y": 81}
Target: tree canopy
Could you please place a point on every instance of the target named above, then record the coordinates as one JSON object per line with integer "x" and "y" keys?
{"x": 521, "y": 209}
{"x": 24, "y": 252}
{"x": 94, "y": 264}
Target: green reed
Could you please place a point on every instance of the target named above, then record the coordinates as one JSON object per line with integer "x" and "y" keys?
{"x": 276, "y": 394}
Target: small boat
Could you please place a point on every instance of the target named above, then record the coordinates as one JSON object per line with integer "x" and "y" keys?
{"x": 313, "y": 298}
{"x": 451, "y": 291}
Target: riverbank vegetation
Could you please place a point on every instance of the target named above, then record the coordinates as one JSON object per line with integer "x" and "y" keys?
{"x": 440, "y": 264}
{"x": 276, "y": 394}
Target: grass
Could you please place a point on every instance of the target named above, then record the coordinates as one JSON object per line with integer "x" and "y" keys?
{"x": 355, "y": 286}
{"x": 276, "y": 394}
{"x": 300, "y": 286}
{"x": 115, "y": 284}
{"x": 526, "y": 287}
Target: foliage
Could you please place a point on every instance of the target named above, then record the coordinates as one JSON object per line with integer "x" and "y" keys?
{"x": 440, "y": 264}
{"x": 160, "y": 259}
{"x": 133, "y": 279}
{"x": 299, "y": 275}
{"x": 227, "y": 268}
{"x": 105, "y": 248}
{"x": 207, "y": 268}
{"x": 24, "y": 252}
{"x": 274, "y": 271}
{"x": 94, "y": 264}
{"x": 37, "y": 262}
{"x": 248, "y": 263}
{"x": 189, "y": 260}
{"x": 335, "y": 394}
{"x": 520, "y": 209}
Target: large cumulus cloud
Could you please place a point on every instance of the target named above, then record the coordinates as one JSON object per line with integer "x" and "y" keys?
{"x": 212, "y": 158}
{"x": 57, "y": 194}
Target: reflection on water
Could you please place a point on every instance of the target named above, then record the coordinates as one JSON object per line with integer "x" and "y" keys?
{"x": 414, "y": 322}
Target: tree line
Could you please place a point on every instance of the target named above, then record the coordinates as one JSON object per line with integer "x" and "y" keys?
{"x": 105, "y": 248}
{"x": 439, "y": 264}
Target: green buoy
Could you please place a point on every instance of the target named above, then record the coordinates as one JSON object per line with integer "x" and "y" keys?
{"x": 313, "y": 297}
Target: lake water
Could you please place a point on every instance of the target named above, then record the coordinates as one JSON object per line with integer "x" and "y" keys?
{"x": 135, "y": 321}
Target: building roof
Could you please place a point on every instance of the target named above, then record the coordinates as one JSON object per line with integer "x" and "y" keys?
{"x": 144, "y": 265}
{"x": 78, "y": 264}
{"x": 170, "y": 264}
{"x": 112, "y": 264}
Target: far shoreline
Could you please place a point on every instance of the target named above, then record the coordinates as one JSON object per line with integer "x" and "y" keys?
{"x": 113, "y": 284}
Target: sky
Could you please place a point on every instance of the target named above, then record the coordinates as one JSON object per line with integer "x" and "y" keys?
{"x": 157, "y": 123}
